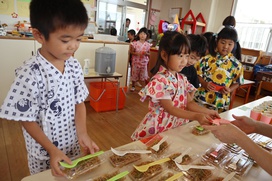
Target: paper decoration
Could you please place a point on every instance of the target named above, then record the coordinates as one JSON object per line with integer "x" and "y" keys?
{"x": 14, "y": 15}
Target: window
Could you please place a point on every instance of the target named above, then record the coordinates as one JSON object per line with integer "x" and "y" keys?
{"x": 253, "y": 23}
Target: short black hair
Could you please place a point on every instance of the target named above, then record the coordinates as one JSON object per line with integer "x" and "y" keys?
{"x": 113, "y": 31}
{"x": 198, "y": 44}
{"x": 132, "y": 32}
{"x": 49, "y": 15}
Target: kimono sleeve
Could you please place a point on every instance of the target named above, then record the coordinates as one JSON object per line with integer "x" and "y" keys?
{"x": 157, "y": 88}
{"x": 22, "y": 101}
{"x": 81, "y": 90}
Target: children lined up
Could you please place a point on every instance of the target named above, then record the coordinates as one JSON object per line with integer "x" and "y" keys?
{"x": 170, "y": 101}
{"x": 220, "y": 72}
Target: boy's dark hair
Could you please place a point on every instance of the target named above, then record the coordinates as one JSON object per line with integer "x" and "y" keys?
{"x": 208, "y": 35}
{"x": 113, "y": 31}
{"x": 198, "y": 44}
{"x": 49, "y": 15}
{"x": 226, "y": 33}
{"x": 172, "y": 43}
{"x": 229, "y": 21}
{"x": 149, "y": 34}
{"x": 144, "y": 29}
{"x": 132, "y": 32}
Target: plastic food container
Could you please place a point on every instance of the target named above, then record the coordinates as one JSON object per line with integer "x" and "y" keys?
{"x": 83, "y": 167}
{"x": 107, "y": 175}
{"x": 241, "y": 167}
{"x": 163, "y": 147}
{"x": 152, "y": 171}
{"x": 217, "y": 154}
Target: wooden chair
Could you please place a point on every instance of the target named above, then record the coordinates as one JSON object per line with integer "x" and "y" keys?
{"x": 263, "y": 86}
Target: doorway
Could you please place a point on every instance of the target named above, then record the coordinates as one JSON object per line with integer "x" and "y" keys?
{"x": 113, "y": 14}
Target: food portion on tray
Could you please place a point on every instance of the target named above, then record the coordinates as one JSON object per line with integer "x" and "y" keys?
{"x": 120, "y": 161}
{"x": 199, "y": 130}
{"x": 163, "y": 147}
{"x": 216, "y": 154}
{"x": 147, "y": 175}
{"x": 83, "y": 167}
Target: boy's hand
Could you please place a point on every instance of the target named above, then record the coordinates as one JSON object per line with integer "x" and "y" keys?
{"x": 88, "y": 145}
{"x": 55, "y": 157}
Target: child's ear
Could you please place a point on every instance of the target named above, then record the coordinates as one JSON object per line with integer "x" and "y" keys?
{"x": 164, "y": 55}
{"x": 38, "y": 35}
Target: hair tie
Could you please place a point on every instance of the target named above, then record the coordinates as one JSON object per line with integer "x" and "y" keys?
{"x": 215, "y": 35}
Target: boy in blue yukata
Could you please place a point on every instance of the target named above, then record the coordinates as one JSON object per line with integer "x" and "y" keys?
{"x": 48, "y": 93}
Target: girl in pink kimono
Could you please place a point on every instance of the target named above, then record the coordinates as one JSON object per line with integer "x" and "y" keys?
{"x": 170, "y": 103}
{"x": 140, "y": 51}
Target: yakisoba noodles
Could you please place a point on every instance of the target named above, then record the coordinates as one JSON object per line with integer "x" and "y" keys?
{"x": 186, "y": 159}
{"x": 119, "y": 161}
{"x": 143, "y": 176}
{"x": 108, "y": 176}
{"x": 82, "y": 167}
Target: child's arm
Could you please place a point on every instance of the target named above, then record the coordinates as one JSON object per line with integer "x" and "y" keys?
{"x": 193, "y": 106}
{"x": 206, "y": 85}
{"x": 230, "y": 89}
{"x": 56, "y": 155}
{"x": 84, "y": 140}
{"x": 167, "y": 104}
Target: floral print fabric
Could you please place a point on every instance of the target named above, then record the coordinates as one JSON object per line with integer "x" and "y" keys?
{"x": 139, "y": 63}
{"x": 163, "y": 85}
{"x": 223, "y": 71}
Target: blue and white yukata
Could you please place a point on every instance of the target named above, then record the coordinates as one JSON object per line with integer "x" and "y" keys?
{"x": 41, "y": 93}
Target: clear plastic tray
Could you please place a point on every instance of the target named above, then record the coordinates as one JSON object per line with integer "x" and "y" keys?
{"x": 163, "y": 147}
{"x": 166, "y": 174}
{"x": 241, "y": 167}
{"x": 198, "y": 130}
{"x": 187, "y": 158}
{"x": 217, "y": 157}
{"x": 120, "y": 161}
{"x": 200, "y": 174}
{"x": 152, "y": 171}
{"x": 107, "y": 175}
{"x": 83, "y": 167}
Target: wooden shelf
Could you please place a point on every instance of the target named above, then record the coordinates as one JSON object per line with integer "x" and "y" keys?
{"x": 194, "y": 22}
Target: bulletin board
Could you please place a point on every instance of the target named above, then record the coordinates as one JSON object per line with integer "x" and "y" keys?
{"x": 21, "y": 7}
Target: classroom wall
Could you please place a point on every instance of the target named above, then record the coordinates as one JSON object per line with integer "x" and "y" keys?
{"x": 213, "y": 11}
{"x": 21, "y": 8}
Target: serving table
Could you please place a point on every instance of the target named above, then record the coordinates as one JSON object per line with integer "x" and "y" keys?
{"x": 180, "y": 136}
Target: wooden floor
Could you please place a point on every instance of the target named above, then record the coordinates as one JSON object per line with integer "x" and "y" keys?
{"x": 107, "y": 129}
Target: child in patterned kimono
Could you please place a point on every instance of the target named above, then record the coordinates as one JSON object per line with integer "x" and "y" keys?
{"x": 170, "y": 101}
{"x": 140, "y": 51}
{"x": 48, "y": 93}
{"x": 220, "y": 72}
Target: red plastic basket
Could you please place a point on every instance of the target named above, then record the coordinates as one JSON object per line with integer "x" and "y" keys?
{"x": 103, "y": 96}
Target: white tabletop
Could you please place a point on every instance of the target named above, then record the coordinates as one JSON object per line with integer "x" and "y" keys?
{"x": 178, "y": 137}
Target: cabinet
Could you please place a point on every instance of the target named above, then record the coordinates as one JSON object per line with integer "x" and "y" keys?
{"x": 193, "y": 22}
{"x": 249, "y": 59}
{"x": 13, "y": 53}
